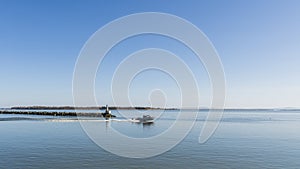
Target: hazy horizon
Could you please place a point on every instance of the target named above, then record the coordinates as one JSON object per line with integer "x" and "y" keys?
{"x": 225, "y": 108}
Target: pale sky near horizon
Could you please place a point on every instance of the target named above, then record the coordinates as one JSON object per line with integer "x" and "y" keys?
{"x": 258, "y": 43}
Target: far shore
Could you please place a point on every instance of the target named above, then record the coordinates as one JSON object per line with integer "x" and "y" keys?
{"x": 52, "y": 113}
{"x": 142, "y": 108}
{"x": 85, "y": 108}
{"x": 96, "y": 108}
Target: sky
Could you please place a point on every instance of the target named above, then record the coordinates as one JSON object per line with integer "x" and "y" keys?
{"x": 258, "y": 43}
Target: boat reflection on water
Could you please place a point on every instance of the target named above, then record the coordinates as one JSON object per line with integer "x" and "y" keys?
{"x": 149, "y": 124}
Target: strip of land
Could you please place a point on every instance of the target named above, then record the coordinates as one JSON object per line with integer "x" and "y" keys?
{"x": 60, "y": 110}
{"x": 47, "y": 113}
{"x": 84, "y": 108}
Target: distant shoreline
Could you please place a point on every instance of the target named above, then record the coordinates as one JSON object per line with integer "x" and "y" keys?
{"x": 140, "y": 108}
{"x": 45, "y": 113}
{"x": 85, "y": 108}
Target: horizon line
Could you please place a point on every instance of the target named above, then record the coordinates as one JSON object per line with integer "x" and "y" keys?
{"x": 145, "y": 107}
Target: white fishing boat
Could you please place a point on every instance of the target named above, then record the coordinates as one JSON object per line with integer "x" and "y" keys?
{"x": 144, "y": 119}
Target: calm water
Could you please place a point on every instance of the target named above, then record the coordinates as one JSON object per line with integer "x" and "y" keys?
{"x": 244, "y": 139}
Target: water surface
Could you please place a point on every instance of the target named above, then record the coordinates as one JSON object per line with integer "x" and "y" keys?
{"x": 244, "y": 139}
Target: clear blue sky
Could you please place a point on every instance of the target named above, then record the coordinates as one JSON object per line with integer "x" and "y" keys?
{"x": 258, "y": 43}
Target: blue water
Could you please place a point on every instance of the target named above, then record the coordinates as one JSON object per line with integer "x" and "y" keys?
{"x": 244, "y": 139}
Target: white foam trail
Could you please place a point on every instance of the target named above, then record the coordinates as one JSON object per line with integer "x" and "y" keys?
{"x": 91, "y": 120}
{"x": 120, "y": 120}
{"x": 76, "y": 120}
{"x": 67, "y": 119}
